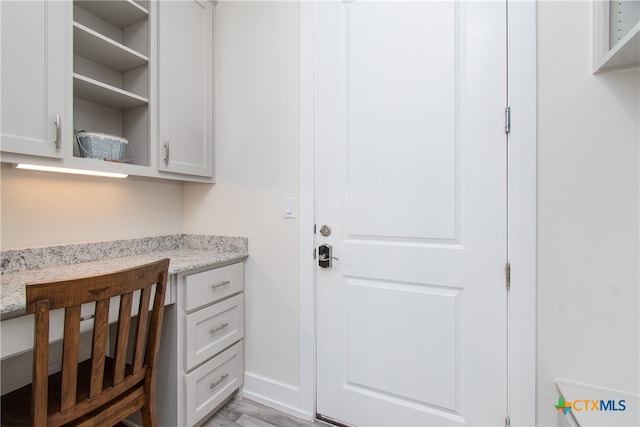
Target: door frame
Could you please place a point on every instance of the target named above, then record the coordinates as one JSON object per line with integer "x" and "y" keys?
{"x": 521, "y": 363}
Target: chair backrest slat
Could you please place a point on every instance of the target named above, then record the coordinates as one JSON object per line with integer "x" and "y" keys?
{"x": 40, "y": 391}
{"x": 153, "y": 341}
{"x": 99, "y": 348}
{"x": 141, "y": 330}
{"x": 122, "y": 338}
{"x": 70, "y": 357}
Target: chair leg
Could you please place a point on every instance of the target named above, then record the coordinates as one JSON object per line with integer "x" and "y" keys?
{"x": 149, "y": 409}
{"x": 149, "y": 415}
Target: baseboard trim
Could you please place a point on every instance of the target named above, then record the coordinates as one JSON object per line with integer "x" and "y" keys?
{"x": 277, "y": 395}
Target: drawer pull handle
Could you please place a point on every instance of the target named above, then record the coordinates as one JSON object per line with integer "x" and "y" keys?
{"x": 219, "y": 328}
{"x": 222, "y": 378}
{"x": 219, "y": 285}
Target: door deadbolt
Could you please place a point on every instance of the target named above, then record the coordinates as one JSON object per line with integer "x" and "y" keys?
{"x": 325, "y": 230}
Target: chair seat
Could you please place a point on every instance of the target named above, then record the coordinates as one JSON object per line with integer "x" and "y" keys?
{"x": 16, "y": 405}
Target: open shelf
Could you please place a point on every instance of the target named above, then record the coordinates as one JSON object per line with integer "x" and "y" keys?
{"x": 625, "y": 53}
{"x": 616, "y": 35}
{"x": 102, "y": 50}
{"x": 120, "y": 13}
{"x": 104, "y": 94}
{"x": 111, "y": 74}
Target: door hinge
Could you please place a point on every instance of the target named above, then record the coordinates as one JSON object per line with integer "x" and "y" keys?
{"x": 507, "y": 120}
{"x": 507, "y": 421}
{"x": 166, "y": 152}
{"x": 507, "y": 274}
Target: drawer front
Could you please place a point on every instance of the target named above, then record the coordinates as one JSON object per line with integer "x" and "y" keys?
{"x": 212, "y": 285}
{"x": 212, "y": 329}
{"x": 210, "y": 384}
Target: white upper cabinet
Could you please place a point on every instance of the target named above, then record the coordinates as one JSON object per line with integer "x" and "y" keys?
{"x": 35, "y": 115}
{"x": 136, "y": 69}
{"x": 186, "y": 87}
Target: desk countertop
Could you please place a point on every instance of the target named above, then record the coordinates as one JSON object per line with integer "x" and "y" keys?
{"x": 185, "y": 252}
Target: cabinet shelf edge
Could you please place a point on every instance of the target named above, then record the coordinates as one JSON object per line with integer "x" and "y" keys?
{"x": 100, "y": 49}
{"x": 104, "y": 94}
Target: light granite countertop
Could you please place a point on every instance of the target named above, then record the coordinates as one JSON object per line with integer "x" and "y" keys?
{"x": 186, "y": 252}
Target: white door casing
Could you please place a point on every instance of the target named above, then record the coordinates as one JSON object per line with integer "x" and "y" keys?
{"x": 411, "y": 176}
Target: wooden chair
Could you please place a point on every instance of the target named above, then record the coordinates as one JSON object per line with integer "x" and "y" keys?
{"x": 102, "y": 390}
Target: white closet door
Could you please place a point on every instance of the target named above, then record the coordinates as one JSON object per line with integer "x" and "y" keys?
{"x": 411, "y": 179}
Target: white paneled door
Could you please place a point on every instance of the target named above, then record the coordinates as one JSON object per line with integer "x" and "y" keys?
{"x": 411, "y": 180}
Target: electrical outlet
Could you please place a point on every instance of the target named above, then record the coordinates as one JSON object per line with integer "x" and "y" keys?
{"x": 54, "y": 367}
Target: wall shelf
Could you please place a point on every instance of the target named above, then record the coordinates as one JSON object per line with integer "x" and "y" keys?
{"x": 104, "y": 94}
{"x": 102, "y": 50}
{"x": 121, "y": 14}
{"x": 616, "y": 35}
{"x": 625, "y": 54}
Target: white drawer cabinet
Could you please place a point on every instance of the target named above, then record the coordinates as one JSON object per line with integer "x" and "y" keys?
{"x": 212, "y": 329}
{"x": 204, "y": 288}
{"x": 209, "y": 385}
{"x": 201, "y": 360}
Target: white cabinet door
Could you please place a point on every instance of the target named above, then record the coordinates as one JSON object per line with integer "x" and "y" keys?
{"x": 34, "y": 51}
{"x": 186, "y": 87}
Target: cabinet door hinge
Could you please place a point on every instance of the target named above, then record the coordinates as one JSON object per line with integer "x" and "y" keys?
{"x": 166, "y": 152}
{"x": 507, "y": 421}
{"x": 507, "y": 120}
{"x": 507, "y": 274}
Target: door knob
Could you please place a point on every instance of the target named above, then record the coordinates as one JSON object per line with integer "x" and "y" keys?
{"x": 325, "y": 256}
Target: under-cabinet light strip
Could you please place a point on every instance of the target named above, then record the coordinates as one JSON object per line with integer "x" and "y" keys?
{"x": 72, "y": 171}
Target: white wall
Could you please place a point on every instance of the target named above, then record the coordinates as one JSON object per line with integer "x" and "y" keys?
{"x": 588, "y": 196}
{"x": 588, "y": 235}
{"x": 42, "y": 209}
{"x": 257, "y": 91}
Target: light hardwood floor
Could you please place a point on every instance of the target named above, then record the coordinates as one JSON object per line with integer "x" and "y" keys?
{"x": 247, "y": 413}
